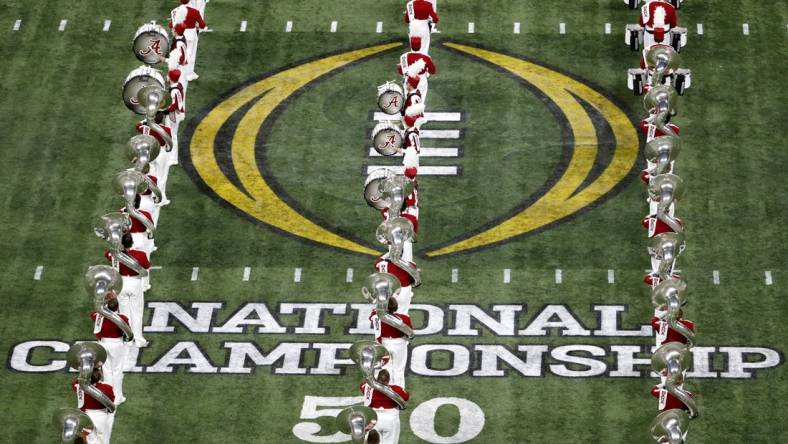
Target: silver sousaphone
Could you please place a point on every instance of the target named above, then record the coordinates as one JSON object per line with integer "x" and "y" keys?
{"x": 71, "y": 422}
{"x": 670, "y": 427}
{"x": 142, "y": 149}
{"x": 369, "y": 356}
{"x": 129, "y": 184}
{"x": 661, "y": 102}
{"x": 111, "y": 227}
{"x": 135, "y": 81}
{"x": 103, "y": 282}
{"x": 355, "y": 420}
{"x": 85, "y": 357}
{"x": 151, "y": 43}
{"x": 378, "y": 289}
{"x": 666, "y": 189}
{"x": 387, "y": 138}
{"x": 671, "y": 360}
{"x": 662, "y": 60}
{"x": 668, "y": 297}
{"x": 152, "y": 99}
{"x": 665, "y": 248}
{"x": 662, "y": 151}
{"x": 394, "y": 232}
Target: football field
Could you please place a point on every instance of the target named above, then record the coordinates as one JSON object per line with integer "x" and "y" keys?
{"x": 532, "y": 322}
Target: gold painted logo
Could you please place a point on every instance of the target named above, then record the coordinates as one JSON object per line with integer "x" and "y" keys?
{"x": 252, "y": 194}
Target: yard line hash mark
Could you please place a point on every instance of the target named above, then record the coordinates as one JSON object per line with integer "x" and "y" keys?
{"x": 700, "y": 28}
{"x": 334, "y": 26}
{"x": 559, "y": 276}
{"x": 611, "y": 276}
{"x": 768, "y": 276}
{"x": 471, "y": 27}
{"x": 745, "y": 29}
{"x": 455, "y": 275}
{"x": 562, "y": 28}
{"x": 289, "y": 26}
{"x": 17, "y": 24}
{"x": 349, "y": 275}
{"x": 507, "y": 275}
{"x": 62, "y": 26}
{"x": 516, "y": 27}
{"x": 37, "y": 274}
{"x": 715, "y": 277}
{"x": 379, "y": 27}
{"x": 243, "y": 25}
{"x": 195, "y": 273}
{"x": 247, "y": 274}
{"x": 607, "y": 28}
{"x": 297, "y": 275}
{"x": 107, "y": 24}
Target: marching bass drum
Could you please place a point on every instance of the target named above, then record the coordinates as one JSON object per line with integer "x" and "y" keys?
{"x": 391, "y": 98}
{"x": 151, "y": 43}
{"x": 135, "y": 81}
{"x": 387, "y": 138}
{"x": 373, "y": 192}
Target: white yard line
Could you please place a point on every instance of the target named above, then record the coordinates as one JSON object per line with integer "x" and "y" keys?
{"x": 440, "y": 134}
{"x": 430, "y": 116}
{"x": 62, "y": 26}
{"x": 247, "y": 274}
{"x": 559, "y": 276}
{"x": 425, "y": 152}
{"x": 244, "y": 23}
{"x": 715, "y": 277}
{"x": 423, "y": 170}
{"x": 471, "y": 27}
{"x": 700, "y": 28}
{"x": 607, "y": 28}
{"x": 107, "y": 24}
{"x": 455, "y": 275}
{"x": 289, "y": 26}
{"x": 768, "y": 276}
{"x": 562, "y": 28}
{"x": 611, "y": 276}
{"x": 297, "y": 275}
{"x": 17, "y": 24}
{"x": 37, "y": 274}
{"x": 195, "y": 273}
{"x": 379, "y": 27}
{"x": 516, "y": 27}
{"x": 507, "y": 275}
{"x": 745, "y": 29}
{"x": 349, "y": 275}
{"x": 334, "y": 26}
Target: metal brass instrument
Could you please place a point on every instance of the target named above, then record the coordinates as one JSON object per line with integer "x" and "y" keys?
{"x": 372, "y": 187}
{"x": 662, "y": 151}
{"x": 671, "y": 360}
{"x": 369, "y": 356}
{"x": 394, "y": 232}
{"x": 379, "y": 288}
{"x": 354, "y": 421}
{"x": 669, "y": 296}
{"x": 152, "y": 99}
{"x": 662, "y": 60}
{"x": 136, "y": 80}
{"x": 142, "y": 149}
{"x": 85, "y": 357}
{"x": 665, "y": 189}
{"x": 670, "y": 426}
{"x": 129, "y": 184}
{"x": 393, "y": 192}
{"x": 102, "y": 281}
{"x": 111, "y": 227}
{"x": 71, "y": 422}
{"x": 665, "y": 247}
{"x": 661, "y": 102}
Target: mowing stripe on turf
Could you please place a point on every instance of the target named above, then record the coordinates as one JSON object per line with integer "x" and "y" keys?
{"x": 700, "y": 28}
{"x": 37, "y": 274}
{"x": 247, "y": 274}
{"x": 349, "y": 275}
{"x": 607, "y": 28}
{"x": 423, "y": 170}
{"x": 432, "y": 117}
{"x": 507, "y": 275}
{"x": 334, "y": 26}
{"x": 243, "y": 26}
{"x": 107, "y": 24}
{"x": 768, "y": 277}
{"x": 440, "y": 134}
{"x": 562, "y": 28}
{"x": 516, "y": 27}
{"x": 611, "y": 276}
{"x": 745, "y": 29}
{"x": 17, "y": 24}
{"x": 471, "y": 27}
{"x": 62, "y": 26}
{"x": 424, "y": 152}
{"x": 559, "y": 276}
{"x": 455, "y": 275}
{"x": 715, "y": 277}
{"x": 379, "y": 27}
{"x": 195, "y": 273}
{"x": 289, "y": 26}
{"x": 297, "y": 275}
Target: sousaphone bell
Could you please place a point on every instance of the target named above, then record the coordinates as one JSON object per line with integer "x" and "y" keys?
{"x": 671, "y": 360}
{"x": 666, "y": 189}
{"x": 670, "y": 427}
{"x": 669, "y": 297}
{"x": 665, "y": 248}
{"x": 71, "y": 422}
{"x": 355, "y": 420}
{"x": 142, "y": 149}
{"x": 661, "y": 151}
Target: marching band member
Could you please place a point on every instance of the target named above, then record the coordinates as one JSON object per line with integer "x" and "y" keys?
{"x": 657, "y": 17}
{"x": 651, "y": 131}
{"x": 395, "y": 342}
{"x": 111, "y": 338}
{"x": 138, "y": 231}
{"x": 178, "y": 53}
{"x": 143, "y": 128}
{"x": 406, "y": 281}
{"x": 177, "y": 109}
{"x": 132, "y": 298}
{"x": 102, "y": 419}
{"x": 653, "y": 224}
{"x": 668, "y": 401}
{"x": 386, "y": 409}
{"x": 414, "y": 117}
{"x": 666, "y": 334}
{"x": 420, "y": 15}
{"x": 416, "y": 64}
{"x": 412, "y": 92}
{"x": 192, "y": 22}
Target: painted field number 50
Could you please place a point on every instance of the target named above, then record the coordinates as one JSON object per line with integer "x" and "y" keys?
{"x": 422, "y": 419}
